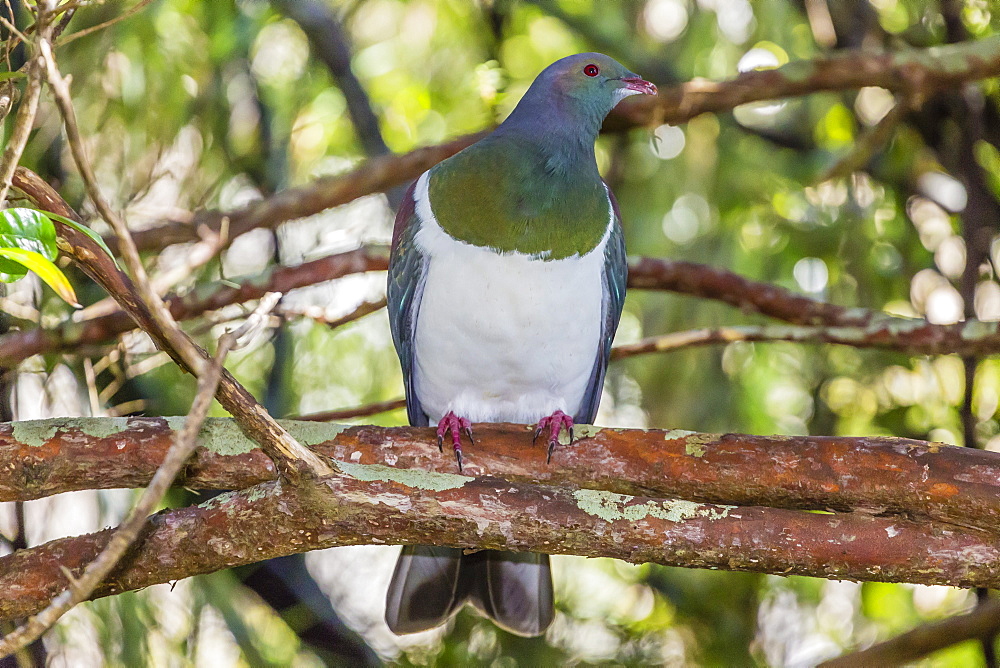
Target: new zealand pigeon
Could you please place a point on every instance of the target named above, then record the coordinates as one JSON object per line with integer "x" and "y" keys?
{"x": 506, "y": 284}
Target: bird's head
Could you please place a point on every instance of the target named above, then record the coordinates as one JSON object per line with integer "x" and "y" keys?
{"x": 593, "y": 80}
{"x": 573, "y": 95}
{"x": 568, "y": 101}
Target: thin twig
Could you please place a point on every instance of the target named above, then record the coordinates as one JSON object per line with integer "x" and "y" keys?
{"x": 318, "y": 314}
{"x": 196, "y": 257}
{"x": 868, "y": 144}
{"x": 11, "y": 27}
{"x": 357, "y": 411}
{"x": 180, "y": 343}
{"x": 80, "y": 589}
{"x": 25, "y": 119}
{"x": 107, "y": 24}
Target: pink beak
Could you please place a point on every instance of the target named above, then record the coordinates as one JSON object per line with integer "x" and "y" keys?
{"x": 640, "y": 85}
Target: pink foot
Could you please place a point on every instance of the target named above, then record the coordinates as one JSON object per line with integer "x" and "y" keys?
{"x": 555, "y": 423}
{"x": 456, "y": 425}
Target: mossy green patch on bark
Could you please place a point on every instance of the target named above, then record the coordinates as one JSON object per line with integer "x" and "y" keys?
{"x": 579, "y": 431}
{"x": 674, "y": 434}
{"x": 977, "y": 329}
{"x": 101, "y": 427}
{"x": 312, "y": 433}
{"x": 219, "y": 435}
{"x": 37, "y": 433}
{"x": 695, "y": 444}
{"x": 611, "y": 507}
{"x": 224, "y": 437}
{"x": 417, "y": 479}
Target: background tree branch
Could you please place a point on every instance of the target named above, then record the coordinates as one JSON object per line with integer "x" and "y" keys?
{"x": 917, "y": 72}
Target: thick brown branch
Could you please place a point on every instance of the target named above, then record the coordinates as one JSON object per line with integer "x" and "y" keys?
{"x": 700, "y": 280}
{"x": 915, "y": 72}
{"x": 383, "y": 505}
{"x": 960, "y": 486}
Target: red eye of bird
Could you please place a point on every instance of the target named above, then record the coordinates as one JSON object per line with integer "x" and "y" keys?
{"x": 591, "y": 70}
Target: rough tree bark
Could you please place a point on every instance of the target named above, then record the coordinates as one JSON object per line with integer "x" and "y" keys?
{"x": 907, "y": 510}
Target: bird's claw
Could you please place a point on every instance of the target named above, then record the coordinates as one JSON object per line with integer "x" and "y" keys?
{"x": 555, "y": 423}
{"x": 457, "y": 426}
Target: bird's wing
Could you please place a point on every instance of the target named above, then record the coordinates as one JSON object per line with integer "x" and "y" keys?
{"x": 615, "y": 275}
{"x": 407, "y": 268}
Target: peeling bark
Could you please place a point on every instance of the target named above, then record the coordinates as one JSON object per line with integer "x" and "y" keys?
{"x": 374, "y": 504}
{"x": 876, "y": 475}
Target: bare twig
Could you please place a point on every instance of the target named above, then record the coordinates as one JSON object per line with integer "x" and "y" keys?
{"x": 357, "y": 411}
{"x": 131, "y": 11}
{"x": 196, "y": 256}
{"x": 25, "y": 117}
{"x": 318, "y": 314}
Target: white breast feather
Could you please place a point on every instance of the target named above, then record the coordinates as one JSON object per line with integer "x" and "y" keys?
{"x": 504, "y": 336}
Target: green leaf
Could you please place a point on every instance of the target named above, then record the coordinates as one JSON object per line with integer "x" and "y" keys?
{"x": 46, "y": 270}
{"x": 26, "y": 229}
{"x": 4, "y": 76}
{"x": 94, "y": 236}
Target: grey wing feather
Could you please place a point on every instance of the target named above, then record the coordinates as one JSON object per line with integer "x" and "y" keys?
{"x": 407, "y": 268}
{"x": 615, "y": 276}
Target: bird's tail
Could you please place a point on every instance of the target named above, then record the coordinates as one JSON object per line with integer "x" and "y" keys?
{"x": 430, "y": 584}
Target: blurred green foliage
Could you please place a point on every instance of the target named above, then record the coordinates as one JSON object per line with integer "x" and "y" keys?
{"x": 189, "y": 105}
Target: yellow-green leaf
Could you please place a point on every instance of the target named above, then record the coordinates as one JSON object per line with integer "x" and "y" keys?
{"x": 46, "y": 270}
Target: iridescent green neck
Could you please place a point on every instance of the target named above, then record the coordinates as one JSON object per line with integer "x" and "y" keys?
{"x": 511, "y": 194}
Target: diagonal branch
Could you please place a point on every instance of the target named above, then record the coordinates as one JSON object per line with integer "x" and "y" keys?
{"x": 235, "y": 398}
{"x": 914, "y": 73}
{"x": 25, "y": 119}
{"x": 372, "y": 176}
{"x": 182, "y": 445}
{"x": 18, "y": 346}
{"x": 983, "y": 622}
